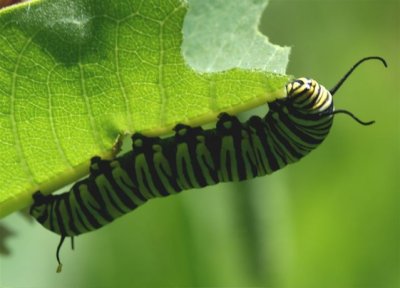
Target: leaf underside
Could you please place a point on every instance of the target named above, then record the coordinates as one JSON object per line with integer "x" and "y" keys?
{"x": 76, "y": 75}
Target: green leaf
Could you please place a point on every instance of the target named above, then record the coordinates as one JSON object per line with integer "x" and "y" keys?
{"x": 76, "y": 75}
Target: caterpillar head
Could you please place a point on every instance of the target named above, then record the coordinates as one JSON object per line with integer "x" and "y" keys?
{"x": 308, "y": 96}
{"x": 300, "y": 86}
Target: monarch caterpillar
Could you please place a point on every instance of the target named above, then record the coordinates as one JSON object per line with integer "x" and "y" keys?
{"x": 193, "y": 157}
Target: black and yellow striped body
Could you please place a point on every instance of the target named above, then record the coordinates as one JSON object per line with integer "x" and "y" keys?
{"x": 193, "y": 157}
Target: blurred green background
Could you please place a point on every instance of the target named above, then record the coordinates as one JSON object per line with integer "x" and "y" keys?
{"x": 331, "y": 220}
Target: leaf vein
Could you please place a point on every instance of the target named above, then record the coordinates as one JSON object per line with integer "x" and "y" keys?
{"x": 56, "y": 137}
{"x": 120, "y": 81}
{"x": 85, "y": 96}
{"x": 18, "y": 146}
